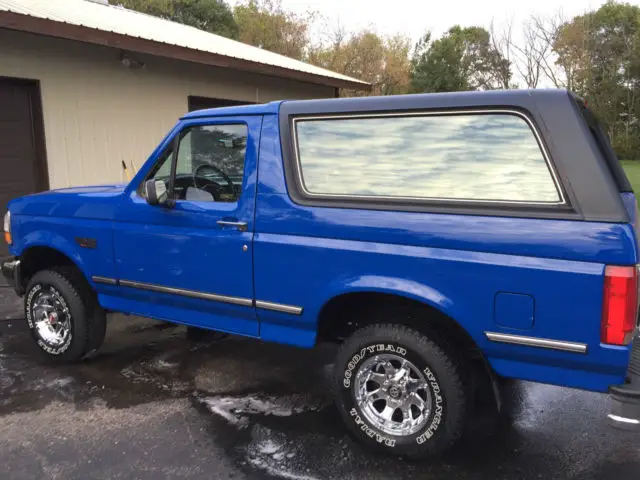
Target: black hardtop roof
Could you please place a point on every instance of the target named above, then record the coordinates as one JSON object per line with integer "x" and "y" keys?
{"x": 475, "y": 99}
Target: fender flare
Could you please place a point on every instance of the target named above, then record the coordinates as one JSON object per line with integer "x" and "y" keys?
{"x": 47, "y": 239}
{"x": 402, "y": 288}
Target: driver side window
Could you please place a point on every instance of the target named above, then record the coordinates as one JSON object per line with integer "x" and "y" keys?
{"x": 210, "y": 164}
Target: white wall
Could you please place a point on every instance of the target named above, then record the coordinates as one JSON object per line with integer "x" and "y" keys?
{"x": 97, "y": 112}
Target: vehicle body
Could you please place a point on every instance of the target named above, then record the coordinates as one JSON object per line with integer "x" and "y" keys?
{"x": 513, "y": 245}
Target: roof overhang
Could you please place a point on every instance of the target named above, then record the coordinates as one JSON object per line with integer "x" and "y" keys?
{"x": 51, "y": 28}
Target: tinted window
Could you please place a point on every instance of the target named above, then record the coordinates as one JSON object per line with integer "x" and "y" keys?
{"x": 210, "y": 165}
{"x": 476, "y": 157}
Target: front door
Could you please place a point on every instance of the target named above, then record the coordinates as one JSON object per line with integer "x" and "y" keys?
{"x": 192, "y": 262}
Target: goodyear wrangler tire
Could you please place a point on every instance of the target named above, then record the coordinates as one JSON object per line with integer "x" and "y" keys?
{"x": 63, "y": 316}
{"x": 400, "y": 392}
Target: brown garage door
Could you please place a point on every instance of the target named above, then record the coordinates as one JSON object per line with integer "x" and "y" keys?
{"x": 22, "y": 162}
{"x": 200, "y": 103}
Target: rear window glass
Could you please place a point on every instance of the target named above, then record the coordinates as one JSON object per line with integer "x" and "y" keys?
{"x": 468, "y": 157}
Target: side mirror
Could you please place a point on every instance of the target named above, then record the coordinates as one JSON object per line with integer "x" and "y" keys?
{"x": 156, "y": 192}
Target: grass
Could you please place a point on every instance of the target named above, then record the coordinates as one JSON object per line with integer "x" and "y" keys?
{"x": 632, "y": 167}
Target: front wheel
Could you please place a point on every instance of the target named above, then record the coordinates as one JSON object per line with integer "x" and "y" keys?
{"x": 63, "y": 315}
{"x": 400, "y": 392}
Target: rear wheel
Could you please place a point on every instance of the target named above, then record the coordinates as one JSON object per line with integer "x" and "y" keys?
{"x": 63, "y": 315}
{"x": 400, "y": 392}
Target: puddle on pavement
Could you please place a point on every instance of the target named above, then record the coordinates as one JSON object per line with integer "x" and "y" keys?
{"x": 267, "y": 406}
{"x": 250, "y": 393}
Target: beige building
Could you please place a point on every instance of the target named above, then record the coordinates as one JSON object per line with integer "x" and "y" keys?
{"x": 85, "y": 85}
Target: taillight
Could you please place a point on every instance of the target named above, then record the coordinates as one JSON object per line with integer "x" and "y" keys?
{"x": 7, "y": 228}
{"x": 620, "y": 305}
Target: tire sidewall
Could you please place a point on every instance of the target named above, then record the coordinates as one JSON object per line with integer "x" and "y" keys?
{"x": 56, "y": 285}
{"x": 428, "y": 437}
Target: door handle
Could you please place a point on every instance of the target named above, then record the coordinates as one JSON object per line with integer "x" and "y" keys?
{"x": 242, "y": 226}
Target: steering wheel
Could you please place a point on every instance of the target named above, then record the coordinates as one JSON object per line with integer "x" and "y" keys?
{"x": 230, "y": 185}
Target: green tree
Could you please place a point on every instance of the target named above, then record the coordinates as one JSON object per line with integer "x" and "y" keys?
{"x": 265, "y": 24}
{"x": 213, "y": 16}
{"x": 599, "y": 53}
{"x": 462, "y": 59}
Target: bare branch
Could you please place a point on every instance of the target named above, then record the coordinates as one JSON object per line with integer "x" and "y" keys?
{"x": 502, "y": 43}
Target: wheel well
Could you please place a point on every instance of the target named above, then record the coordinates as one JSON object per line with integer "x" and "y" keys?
{"x": 36, "y": 259}
{"x": 344, "y": 314}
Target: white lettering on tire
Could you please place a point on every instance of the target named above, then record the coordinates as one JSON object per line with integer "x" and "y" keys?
{"x": 431, "y": 378}
{"x": 33, "y": 291}
{"x": 30, "y": 321}
{"x": 370, "y": 432}
{"x": 437, "y": 414}
{"x": 380, "y": 347}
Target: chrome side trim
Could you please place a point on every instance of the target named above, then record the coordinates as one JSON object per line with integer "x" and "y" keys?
{"x": 245, "y": 302}
{"x": 105, "y": 280}
{"x": 444, "y": 112}
{"x": 279, "y": 307}
{"x": 537, "y": 342}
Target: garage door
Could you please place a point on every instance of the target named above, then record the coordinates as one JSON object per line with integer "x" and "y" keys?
{"x": 200, "y": 103}
{"x": 22, "y": 162}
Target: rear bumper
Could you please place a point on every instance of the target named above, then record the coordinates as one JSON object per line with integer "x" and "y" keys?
{"x": 10, "y": 267}
{"x": 625, "y": 399}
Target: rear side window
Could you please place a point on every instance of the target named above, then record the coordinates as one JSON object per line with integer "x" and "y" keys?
{"x": 469, "y": 157}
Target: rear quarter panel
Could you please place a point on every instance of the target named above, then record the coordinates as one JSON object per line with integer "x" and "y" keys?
{"x": 305, "y": 255}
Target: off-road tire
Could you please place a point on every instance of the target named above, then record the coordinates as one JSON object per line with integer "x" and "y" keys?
{"x": 87, "y": 318}
{"x": 446, "y": 380}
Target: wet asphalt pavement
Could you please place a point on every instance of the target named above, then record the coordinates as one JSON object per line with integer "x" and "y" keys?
{"x": 153, "y": 405}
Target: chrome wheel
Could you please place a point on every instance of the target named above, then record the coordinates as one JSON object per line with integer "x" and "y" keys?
{"x": 51, "y": 317}
{"x": 393, "y": 394}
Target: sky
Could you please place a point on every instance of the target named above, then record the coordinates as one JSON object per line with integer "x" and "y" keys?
{"x": 414, "y": 17}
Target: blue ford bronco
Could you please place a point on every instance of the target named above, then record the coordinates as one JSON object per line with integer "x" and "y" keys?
{"x": 439, "y": 239}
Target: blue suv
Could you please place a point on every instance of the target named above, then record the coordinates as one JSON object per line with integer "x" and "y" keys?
{"x": 442, "y": 240}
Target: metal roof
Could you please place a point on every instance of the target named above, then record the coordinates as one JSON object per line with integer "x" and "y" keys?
{"x": 120, "y": 21}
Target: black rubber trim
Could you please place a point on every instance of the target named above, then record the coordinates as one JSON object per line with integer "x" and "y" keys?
{"x": 10, "y": 267}
{"x": 171, "y": 199}
{"x": 625, "y": 399}
{"x": 625, "y": 409}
